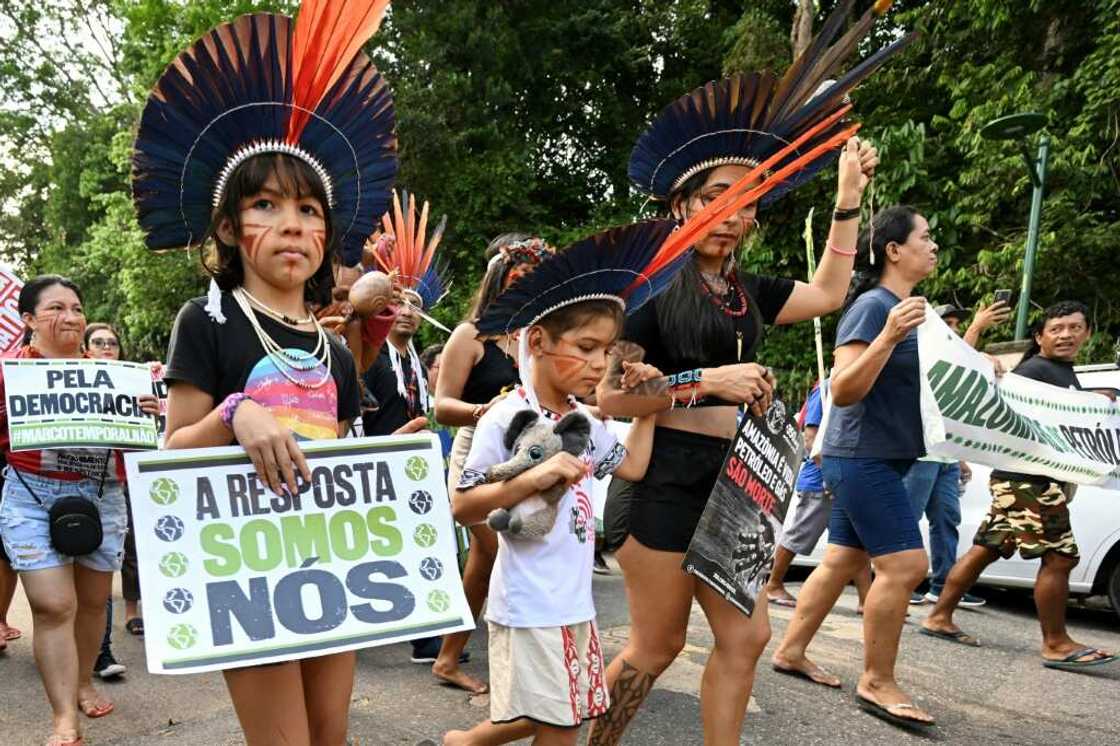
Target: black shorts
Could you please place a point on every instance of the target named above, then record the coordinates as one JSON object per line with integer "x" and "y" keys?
{"x": 666, "y": 506}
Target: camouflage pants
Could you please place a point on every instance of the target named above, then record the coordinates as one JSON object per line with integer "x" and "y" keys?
{"x": 1030, "y": 517}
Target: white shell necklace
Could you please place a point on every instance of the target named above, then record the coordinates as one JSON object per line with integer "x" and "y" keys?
{"x": 287, "y": 361}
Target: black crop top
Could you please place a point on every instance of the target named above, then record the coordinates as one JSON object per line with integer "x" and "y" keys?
{"x": 492, "y": 374}
{"x": 769, "y": 293}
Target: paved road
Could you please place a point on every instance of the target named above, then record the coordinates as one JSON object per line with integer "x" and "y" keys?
{"x": 998, "y": 694}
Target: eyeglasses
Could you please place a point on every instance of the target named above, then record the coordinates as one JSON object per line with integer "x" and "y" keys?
{"x": 105, "y": 344}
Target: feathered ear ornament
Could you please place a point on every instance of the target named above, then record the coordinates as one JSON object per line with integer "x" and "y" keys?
{"x": 262, "y": 84}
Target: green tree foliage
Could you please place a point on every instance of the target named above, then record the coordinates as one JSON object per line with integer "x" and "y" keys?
{"x": 521, "y": 115}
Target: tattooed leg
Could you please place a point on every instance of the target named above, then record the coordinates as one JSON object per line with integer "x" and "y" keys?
{"x": 628, "y": 691}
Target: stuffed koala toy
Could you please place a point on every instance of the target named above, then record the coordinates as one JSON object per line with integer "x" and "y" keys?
{"x": 531, "y": 440}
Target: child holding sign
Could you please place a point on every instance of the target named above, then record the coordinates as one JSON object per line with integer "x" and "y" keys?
{"x": 282, "y": 159}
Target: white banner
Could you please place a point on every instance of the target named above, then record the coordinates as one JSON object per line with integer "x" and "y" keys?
{"x": 234, "y": 575}
{"x": 77, "y": 403}
{"x": 1015, "y": 423}
{"x": 11, "y": 324}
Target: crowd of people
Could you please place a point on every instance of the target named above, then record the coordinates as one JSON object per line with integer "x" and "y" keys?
{"x": 284, "y": 223}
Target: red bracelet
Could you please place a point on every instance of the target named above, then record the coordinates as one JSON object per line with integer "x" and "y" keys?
{"x": 836, "y": 249}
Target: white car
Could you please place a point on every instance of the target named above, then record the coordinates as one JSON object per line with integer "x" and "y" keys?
{"x": 1094, "y": 513}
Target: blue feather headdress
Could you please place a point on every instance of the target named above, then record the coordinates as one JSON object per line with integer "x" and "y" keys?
{"x": 749, "y": 119}
{"x": 265, "y": 84}
{"x": 628, "y": 265}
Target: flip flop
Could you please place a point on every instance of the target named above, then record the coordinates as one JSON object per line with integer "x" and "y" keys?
{"x": 97, "y": 711}
{"x": 798, "y": 674}
{"x": 789, "y": 603}
{"x": 1070, "y": 662}
{"x": 57, "y": 740}
{"x": 135, "y": 626}
{"x": 889, "y": 712}
{"x": 958, "y": 637}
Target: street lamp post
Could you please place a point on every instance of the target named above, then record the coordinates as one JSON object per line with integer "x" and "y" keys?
{"x": 1019, "y": 127}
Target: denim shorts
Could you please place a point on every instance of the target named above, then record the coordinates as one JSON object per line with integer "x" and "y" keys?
{"x": 25, "y": 528}
{"x": 871, "y": 509}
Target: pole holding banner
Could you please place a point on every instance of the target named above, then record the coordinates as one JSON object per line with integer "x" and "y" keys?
{"x": 811, "y": 263}
{"x": 1038, "y": 179}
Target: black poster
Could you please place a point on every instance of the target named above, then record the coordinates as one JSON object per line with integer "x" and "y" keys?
{"x": 733, "y": 547}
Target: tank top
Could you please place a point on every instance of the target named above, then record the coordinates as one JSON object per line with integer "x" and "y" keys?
{"x": 492, "y": 374}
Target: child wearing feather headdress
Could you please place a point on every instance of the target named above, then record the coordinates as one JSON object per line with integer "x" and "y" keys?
{"x": 276, "y": 163}
{"x": 546, "y": 662}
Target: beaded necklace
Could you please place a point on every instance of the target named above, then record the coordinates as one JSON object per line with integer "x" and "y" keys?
{"x": 721, "y": 302}
{"x": 285, "y": 360}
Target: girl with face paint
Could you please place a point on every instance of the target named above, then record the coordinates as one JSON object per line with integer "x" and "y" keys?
{"x": 475, "y": 373}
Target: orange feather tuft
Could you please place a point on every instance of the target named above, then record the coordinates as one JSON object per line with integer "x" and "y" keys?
{"x": 741, "y": 193}
{"x": 328, "y": 35}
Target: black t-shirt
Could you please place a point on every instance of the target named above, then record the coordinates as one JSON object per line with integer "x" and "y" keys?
{"x": 1054, "y": 372}
{"x": 222, "y": 359}
{"x": 393, "y": 410}
{"x": 642, "y": 328}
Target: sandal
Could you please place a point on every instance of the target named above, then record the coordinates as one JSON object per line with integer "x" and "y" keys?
{"x": 57, "y": 740}
{"x": 890, "y": 712}
{"x": 1071, "y": 662}
{"x": 959, "y": 636}
{"x": 94, "y": 711}
{"x": 789, "y": 603}
{"x": 135, "y": 626}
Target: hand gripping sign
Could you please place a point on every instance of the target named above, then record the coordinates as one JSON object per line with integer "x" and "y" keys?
{"x": 234, "y": 575}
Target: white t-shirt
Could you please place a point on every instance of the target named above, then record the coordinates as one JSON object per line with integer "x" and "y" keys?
{"x": 543, "y": 582}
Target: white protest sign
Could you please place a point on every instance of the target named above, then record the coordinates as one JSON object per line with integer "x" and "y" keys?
{"x": 234, "y": 575}
{"x": 1015, "y": 423}
{"x": 63, "y": 403}
{"x": 11, "y": 324}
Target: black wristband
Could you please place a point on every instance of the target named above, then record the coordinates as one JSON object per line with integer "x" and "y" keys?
{"x": 845, "y": 213}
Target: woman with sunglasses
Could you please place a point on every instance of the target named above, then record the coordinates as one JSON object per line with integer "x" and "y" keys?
{"x": 102, "y": 342}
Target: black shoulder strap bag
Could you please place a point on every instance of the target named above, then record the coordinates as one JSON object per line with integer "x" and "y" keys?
{"x": 75, "y": 522}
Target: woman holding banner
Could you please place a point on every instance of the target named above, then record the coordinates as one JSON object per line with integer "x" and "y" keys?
{"x": 872, "y": 438}
{"x": 732, "y": 137}
{"x": 67, "y": 594}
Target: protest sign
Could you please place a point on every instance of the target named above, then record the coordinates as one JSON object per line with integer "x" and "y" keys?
{"x": 11, "y": 323}
{"x": 159, "y": 388}
{"x": 75, "y": 403}
{"x": 1015, "y": 423}
{"x": 234, "y": 575}
{"x": 734, "y": 542}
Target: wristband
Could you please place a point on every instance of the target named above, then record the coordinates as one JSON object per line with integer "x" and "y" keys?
{"x": 686, "y": 377}
{"x": 841, "y": 214}
{"x": 229, "y": 407}
{"x": 837, "y": 250}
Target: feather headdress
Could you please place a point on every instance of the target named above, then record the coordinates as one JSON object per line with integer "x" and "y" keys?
{"x": 749, "y": 118}
{"x": 634, "y": 263}
{"x": 405, "y": 250}
{"x": 265, "y": 84}
{"x": 622, "y": 264}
